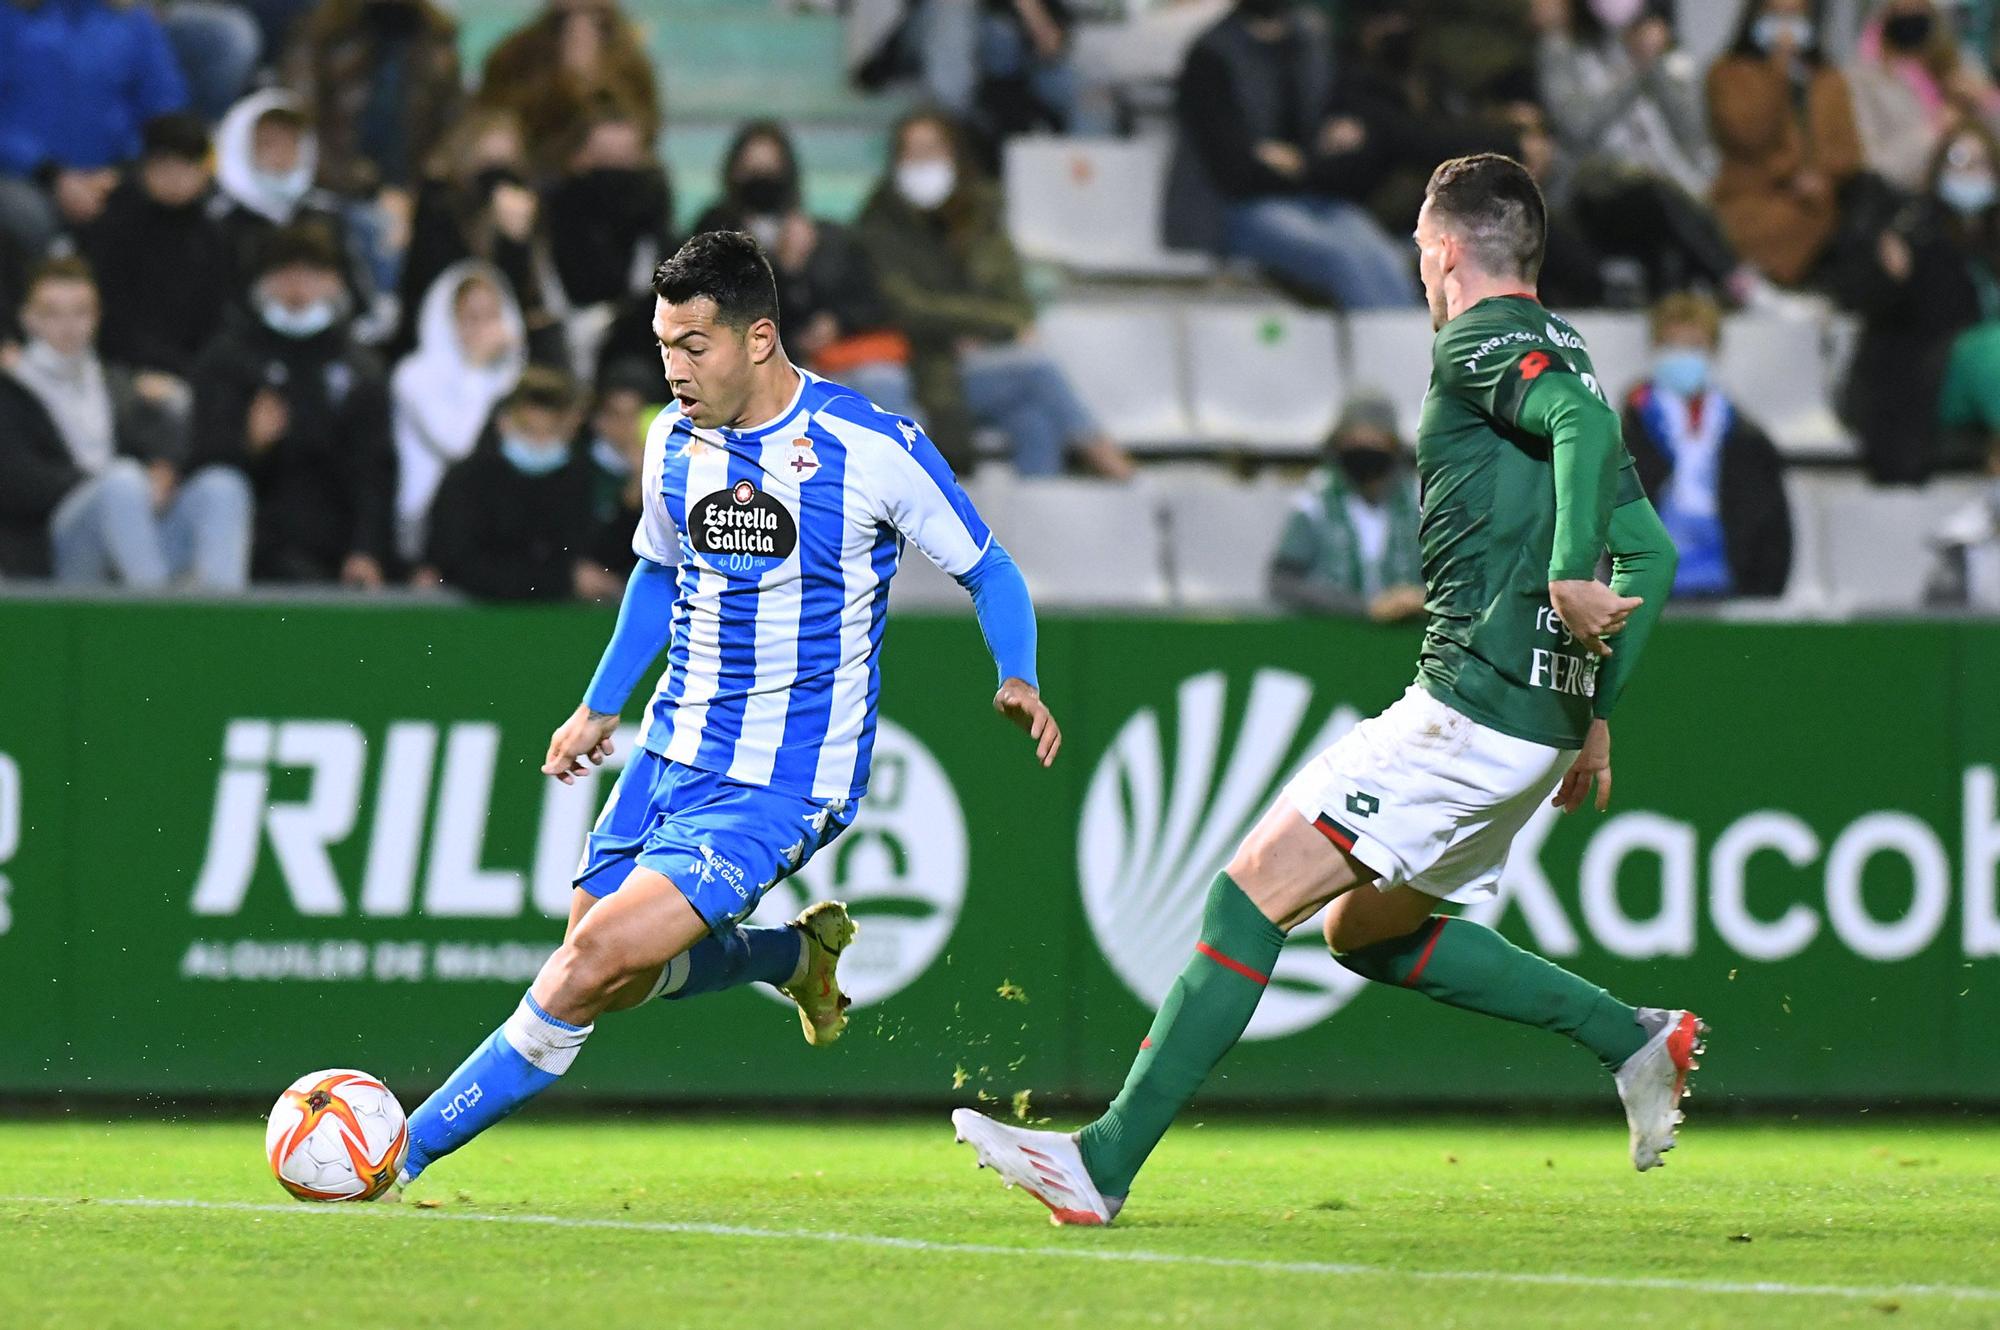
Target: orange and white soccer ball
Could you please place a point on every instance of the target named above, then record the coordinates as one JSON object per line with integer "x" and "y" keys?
{"x": 336, "y": 1136}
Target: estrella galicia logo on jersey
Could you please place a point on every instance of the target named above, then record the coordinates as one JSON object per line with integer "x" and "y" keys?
{"x": 1169, "y": 801}
{"x": 744, "y": 522}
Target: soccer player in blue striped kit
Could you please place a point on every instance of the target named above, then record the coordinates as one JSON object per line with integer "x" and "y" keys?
{"x": 789, "y": 499}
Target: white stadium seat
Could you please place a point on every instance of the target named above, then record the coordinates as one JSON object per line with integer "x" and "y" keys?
{"x": 1266, "y": 376}
{"x": 1093, "y": 205}
{"x": 1126, "y": 361}
{"x": 1389, "y": 351}
{"x": 1220, "y": 535}
{"x": 1776, "y": 370}
{"x": 1874, "y": 542}
{"x": 1081, "y": 542}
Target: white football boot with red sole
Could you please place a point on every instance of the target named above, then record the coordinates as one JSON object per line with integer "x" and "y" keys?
{"x": 1045, "y": 1164}
{"x": 1654, "y": 1080}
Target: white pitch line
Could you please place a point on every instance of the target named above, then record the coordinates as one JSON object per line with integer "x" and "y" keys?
{"x": 1129, "y": 1256}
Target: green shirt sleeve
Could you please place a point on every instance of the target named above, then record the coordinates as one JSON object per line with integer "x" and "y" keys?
{"x": 1586, "y": 447}
{"x": 1642, "y": 564}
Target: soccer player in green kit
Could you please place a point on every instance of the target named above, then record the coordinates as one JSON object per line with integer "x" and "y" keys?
{"x": 1526, "y": 484}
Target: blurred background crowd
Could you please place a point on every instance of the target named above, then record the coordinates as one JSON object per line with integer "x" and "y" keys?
{"x": 354, "y": 292}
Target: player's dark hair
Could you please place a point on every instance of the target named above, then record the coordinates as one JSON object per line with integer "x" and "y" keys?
{"x": 727, "y": 267}
{"x": 544, "y": 387}
{"x": 1494, "y": 206}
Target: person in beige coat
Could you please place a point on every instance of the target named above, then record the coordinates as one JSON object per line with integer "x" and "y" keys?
{"x": 1784, "y": 122}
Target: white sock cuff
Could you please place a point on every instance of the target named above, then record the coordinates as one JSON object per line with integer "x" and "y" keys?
{"x": 673, "y": 977}
{"x": 543, "y": 1040}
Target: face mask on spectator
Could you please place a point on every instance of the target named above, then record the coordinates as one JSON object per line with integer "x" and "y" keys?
{"x": 1907, "y": 31}
{"x": 290, "y": 186}
{"x": 765, "y": 192}
{"x": 1617, "y": 15}
{"x": 533, "y": 457}
{"x": 1681, "y": 371}
{"x": 1772, "y": 29}
{"x": 928, "y": 183}
{"x": 1364, "y": 466}
{"x": 310, "y": 321}
{"x": 1966, "y": 192}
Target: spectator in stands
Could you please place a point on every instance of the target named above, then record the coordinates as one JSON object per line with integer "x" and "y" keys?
{"x": 161, "y": 254}
{"x": 609, "y": 221}
{"x": 558, "y": 69}
{"x": 88, "y": 477}
{"x": 937, "y": 235}
{"x": 266, "y": 157}
{"x": 1627, "y": 110}
{"x": 1265, "y": 170}
{"x": 1784, "y": 122}
{"x": 1710, "y": 470}
{"x": 288, "y": 399}
{"x": 476, "y": 203}
{"x": 380, "y": 80}
{"x": 1572, "y": 275}
{"x": 216, "y": 45}
{"x": 836, "y": 321}
{"x": 1931, "y": 273}
{"x": 615, "y": 441}
{"x": 471, "y": 348}
{"x": 1350, "y": 543}
{"x": 77, "y": 80}
{"x": 512, "y": 521}
{"x": 1911, "y": 85}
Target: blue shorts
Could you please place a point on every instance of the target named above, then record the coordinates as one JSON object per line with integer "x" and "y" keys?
{"x": 723, "y": 843}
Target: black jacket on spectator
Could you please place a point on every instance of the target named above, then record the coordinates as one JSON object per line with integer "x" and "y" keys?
{"x": 1750, "y": 498}
{"x": 1235, "y": 92}
{"x": 326, "y": 489}
{"x": 160, "y": 270}
{"x": 501, "y": 534}
{"x": 1891, "y": 394}
{"x": 607, "y": 231}
{"x": 36, "y": 472}
{"x": 450, "y": 225}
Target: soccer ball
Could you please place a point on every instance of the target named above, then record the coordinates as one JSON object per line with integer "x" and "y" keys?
{"x": 336, "y": 1136}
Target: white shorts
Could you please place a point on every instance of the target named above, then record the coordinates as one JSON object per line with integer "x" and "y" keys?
{"x": 1427, "y": 797}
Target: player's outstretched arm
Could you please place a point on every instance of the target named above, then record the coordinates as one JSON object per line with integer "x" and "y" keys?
{"x": 645, "y": 617}
{"x": 1007, "y": 618}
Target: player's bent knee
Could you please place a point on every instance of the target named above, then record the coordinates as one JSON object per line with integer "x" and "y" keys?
{"x": 589, "y": 971}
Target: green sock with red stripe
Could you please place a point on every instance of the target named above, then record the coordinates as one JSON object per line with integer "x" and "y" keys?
{"x": 1464, "y": 964}
{"x": 1205, "y": 1013}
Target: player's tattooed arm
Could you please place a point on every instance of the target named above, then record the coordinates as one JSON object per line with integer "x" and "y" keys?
{"x": 585, "y": 735}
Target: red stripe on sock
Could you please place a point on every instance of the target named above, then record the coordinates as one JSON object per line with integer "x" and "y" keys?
{"x": 1146, "y": 1043}
{"x": 1334, "y": 833}
{"x": 1429, "y": 947}
{"x": 1228, "y": 964}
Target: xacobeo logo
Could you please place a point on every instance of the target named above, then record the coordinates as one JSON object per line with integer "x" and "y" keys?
{"x": 1166, "y": 808}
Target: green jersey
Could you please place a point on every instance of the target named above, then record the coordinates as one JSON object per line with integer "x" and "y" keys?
{"x": 1493, "y": 648}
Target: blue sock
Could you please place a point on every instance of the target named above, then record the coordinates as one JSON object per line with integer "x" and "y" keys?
{"x": 518, "y": 1061}
{"x": 734, "y": 958}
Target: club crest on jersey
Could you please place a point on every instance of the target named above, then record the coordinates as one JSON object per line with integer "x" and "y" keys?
{"x": 742, "y": 521}
{"x": 803, "y": 463}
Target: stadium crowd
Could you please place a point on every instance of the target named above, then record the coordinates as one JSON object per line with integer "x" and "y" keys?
{"x": 287, "y": 295}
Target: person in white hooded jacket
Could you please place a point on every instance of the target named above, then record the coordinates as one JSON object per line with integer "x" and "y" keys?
{"x": 265, "y": 159}
{"x": 471, "y": 348}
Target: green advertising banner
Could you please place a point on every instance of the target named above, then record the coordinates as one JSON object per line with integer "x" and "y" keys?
{"x": 238, "y": 842}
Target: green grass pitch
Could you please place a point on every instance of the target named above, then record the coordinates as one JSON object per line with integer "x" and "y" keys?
{"x": 724, "y": 1222}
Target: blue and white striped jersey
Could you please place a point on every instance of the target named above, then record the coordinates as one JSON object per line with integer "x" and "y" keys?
{"x": 788, "y": 535}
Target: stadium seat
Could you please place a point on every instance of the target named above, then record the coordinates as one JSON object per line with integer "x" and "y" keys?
{"x": 1390, "y": 351}
{"x": 1776, "y": 369}
{"x": 1219, "y": 536}
{"x": 1264, "y": 376}
{"x": 1093, "y": 205}
{"x": 1081, "y": 542}
{"x": 1875, "y": 543}
{"x": 1127, "y": 362}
